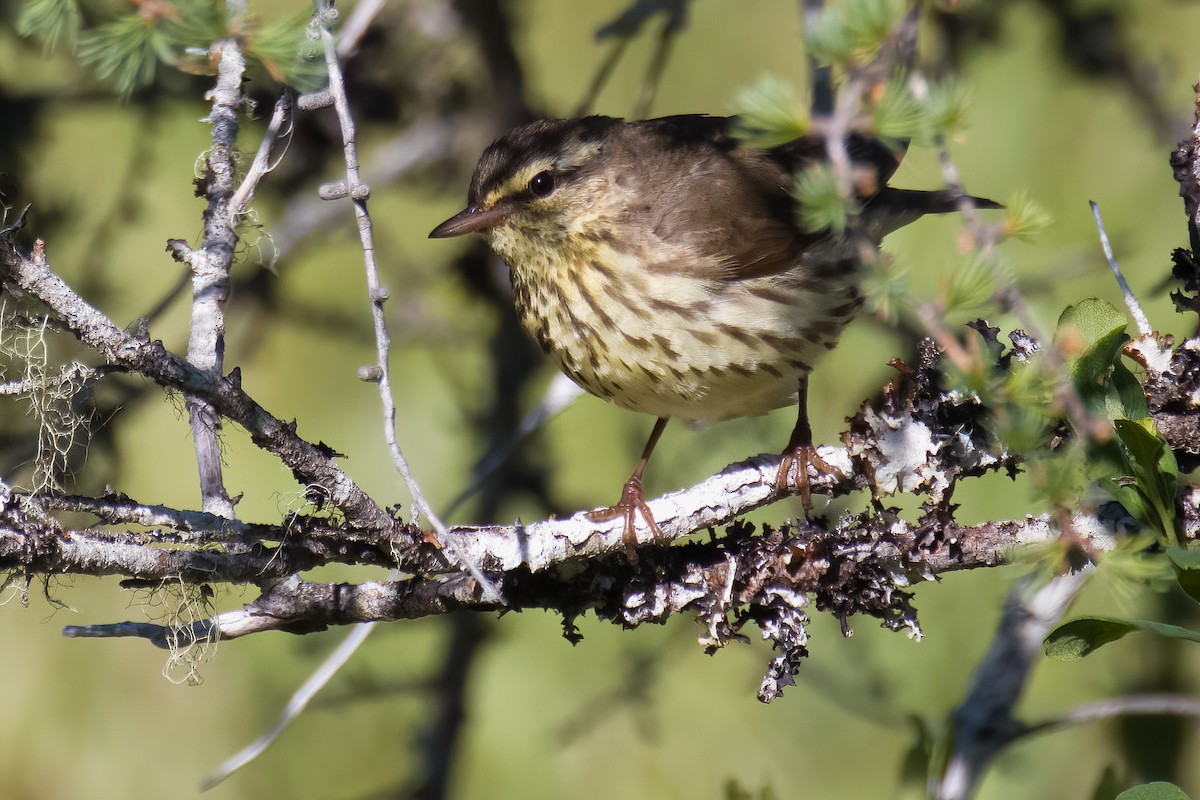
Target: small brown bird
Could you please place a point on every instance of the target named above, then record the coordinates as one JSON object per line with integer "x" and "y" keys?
{"x": 662, "y": 265}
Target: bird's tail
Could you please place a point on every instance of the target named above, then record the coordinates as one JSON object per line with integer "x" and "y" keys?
{"x": 942, "y": 201}
{"x": 891, "y": 209}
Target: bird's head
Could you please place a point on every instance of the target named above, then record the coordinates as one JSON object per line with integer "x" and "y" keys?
{"x": 534, "y": 186}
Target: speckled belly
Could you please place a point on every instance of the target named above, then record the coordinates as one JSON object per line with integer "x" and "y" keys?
{"x": 679, "y": 347}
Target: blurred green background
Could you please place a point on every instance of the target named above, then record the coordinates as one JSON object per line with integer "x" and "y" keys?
{"x": 625, "y": 713}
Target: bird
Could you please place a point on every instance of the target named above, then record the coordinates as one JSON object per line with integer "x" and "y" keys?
{"x": 663, "y": 265}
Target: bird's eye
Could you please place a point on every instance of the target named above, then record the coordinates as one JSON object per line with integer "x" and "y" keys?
{"x": 542, "y": 184}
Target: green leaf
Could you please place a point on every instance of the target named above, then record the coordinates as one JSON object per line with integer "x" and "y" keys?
{"x": 1092, "y": 318}
{"x": 284, "y": 49}
{"x": 1146, "y": 447}
{"x": 898, "y": 114}
{"x": 1157, "y": 790}
{"x": 1169, "y": 631}
{"x": 946, "y": 108}
{"x": 820, "y": 205}
{"x": 1073, "y": 640}
{"x": 971, "y": 284}
{"x": 1155, "y": 472}
{"x": 194, "y": 23}
{"x": 770, "y": 112}
{"x": 52, "y": 20}
{"x": 125, "y": 50}
{"x": 852, "y": 29}
{"x": 827, "y": 39}
{"x": 1186, "y": 564}
{"x": 1058, "y": 479}
{"x": 1024, "y": 217}
{"x": 885, "y": 287}
{"x": 1093, "y": 367}
{"x": 1184, "y": 559}
{"x": 871, "y": 20}
{"x": 1129, "y": 397}
{"x": 1136, "y": 565}
{"x": 1091, "y": 334}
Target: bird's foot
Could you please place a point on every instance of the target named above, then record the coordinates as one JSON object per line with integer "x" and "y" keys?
{"x": 630, "y": 506}
{"x": 798, "y": 459}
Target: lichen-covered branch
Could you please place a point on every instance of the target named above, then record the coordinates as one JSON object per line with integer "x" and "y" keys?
{"x": 210, "y": 266}
{"x": 311, "y": 464}
{"x": 861, "y": 566}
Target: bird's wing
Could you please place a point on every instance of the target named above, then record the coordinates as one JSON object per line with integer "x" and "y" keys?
{"x": 728, "y": 205}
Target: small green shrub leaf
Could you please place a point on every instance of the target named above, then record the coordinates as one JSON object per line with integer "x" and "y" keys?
{"x": 1158, "y": 790}
{"x": 1073, "y": 640}
{"x": 1078, "y": 638}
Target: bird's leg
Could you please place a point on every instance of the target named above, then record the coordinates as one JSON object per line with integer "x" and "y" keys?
{"x": 633, "y": 502}
{"x": 800, "y": 454}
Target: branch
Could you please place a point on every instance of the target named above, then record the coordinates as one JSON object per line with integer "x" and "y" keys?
{"x": 279, "y": 127}
{"x": 982, "y": 743}
{"x": 210, "y": 273}
{"x": 984, "y": 724}
{"x": 295, "y": 706}
{"x": 1130, "y": 705}
{"x": 32, "y": 542}
{"x": 1185, "y": 161}
{"x": 1150, "y": 353}
{"x": 311, "y": 465}
{"x": 767, "y": 579}
{"x": 424, "y": 142}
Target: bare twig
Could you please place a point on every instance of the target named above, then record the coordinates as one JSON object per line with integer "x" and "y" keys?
{"x": 984, "y": 723}
{"x": 603, "y": 73}
{"x": 279, "y": 127}
{"x": 658, "y": 63}
{"x": 1131, "y": 302}
{"x": 1175, "y": 705}
{"x": 31, "y": 540}
{"x": 414, "y": 147}
{"x": 361, "y": 16}
{"x": 358, "y": 193}
{"x": 295, "y": 705}
{"x": 423, "y": 142}
{"x": 1152, "y": 355}
{"x": 199, "y": 526}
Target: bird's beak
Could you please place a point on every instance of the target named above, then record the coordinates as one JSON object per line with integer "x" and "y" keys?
{"x": 469, "y": 220}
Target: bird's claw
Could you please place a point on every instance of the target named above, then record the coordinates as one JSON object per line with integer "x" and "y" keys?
{"x": 799, "y": 459}
{"x": 630, "y": 506}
